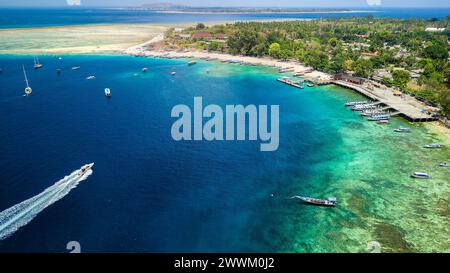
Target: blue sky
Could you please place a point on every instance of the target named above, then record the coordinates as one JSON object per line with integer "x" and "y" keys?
{"x": 280, "y": 3}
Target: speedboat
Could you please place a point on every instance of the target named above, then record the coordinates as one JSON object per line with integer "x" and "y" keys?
{"x": 433, "y": 146}
{"x": 75, "y": 68}
{"x": 444, "y": 164}
{"x": 85, "y": 169}
{"x": 90, "y": 78}
{"x": 402, "y": 130}
{"x": 107, "y": 92}
{"x": 329, "y": 202}
{"x": 420, "y": 175}
{"x": 173, "y": 73}
{"x": 145, "y": 69}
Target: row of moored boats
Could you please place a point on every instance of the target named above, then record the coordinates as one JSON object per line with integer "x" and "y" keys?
{"x": 374, "y": 113}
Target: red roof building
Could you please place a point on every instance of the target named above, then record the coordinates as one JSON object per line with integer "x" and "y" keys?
{"x": 202, "y": 35}
{"x": 220, "y": 36}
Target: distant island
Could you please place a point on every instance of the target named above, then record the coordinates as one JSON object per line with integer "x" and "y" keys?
{"x": 175, "y": 8}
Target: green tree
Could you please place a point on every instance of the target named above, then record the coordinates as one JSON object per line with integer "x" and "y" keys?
{"x": 436, "y": 51}
{"x": 363, "y": 68}
{"x": 275, "y": 50}
{"x": 200, "y": 26}
{"x": 400, "y": 78}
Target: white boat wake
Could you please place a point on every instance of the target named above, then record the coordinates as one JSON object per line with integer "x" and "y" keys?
{"x": 21, "y": 214}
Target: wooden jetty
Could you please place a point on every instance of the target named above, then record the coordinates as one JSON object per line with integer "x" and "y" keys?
{"x": 407, "y": 107}
{"x": 290, "y": 82}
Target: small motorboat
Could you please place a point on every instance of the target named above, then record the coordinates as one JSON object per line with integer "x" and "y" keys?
{"x": 444, "y": 164}
{"x": 145, "y": 69}
{"x": 329, "y": 202}
{"x": 107, "y": 92}
{"x": 76, "y": 68}
{"x": 311, "y": 85}
{"x": 383, "y": 121}
{"x": 402, "y": 130}
{"x": 420, "y": 175}
{"x": 192, "y": 62}
{"x": 85, "y": 169}
{"x": 173, "y": 73}
{"x": 90, "y": 78}
{"x": 433, "y": 146}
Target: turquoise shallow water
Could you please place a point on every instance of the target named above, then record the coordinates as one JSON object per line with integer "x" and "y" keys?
{"x": 151, "y": 194}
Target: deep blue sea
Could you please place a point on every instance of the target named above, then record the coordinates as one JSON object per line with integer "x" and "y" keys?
{"x": 26, "y": 17}
{"x": 147, "y": 192}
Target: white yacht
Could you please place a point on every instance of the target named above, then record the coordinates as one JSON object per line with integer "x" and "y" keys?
{"x": 28, "y": 89}
{"x": 107, "y": 92}
{"x": 37, "y": 64}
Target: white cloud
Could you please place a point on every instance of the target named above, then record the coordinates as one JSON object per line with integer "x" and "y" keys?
{"x": 374, "y": 2}
{"x": 73, "y": 2}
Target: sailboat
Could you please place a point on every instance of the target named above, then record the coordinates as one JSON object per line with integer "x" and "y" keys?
{"x": 37, "y": 65}
{"x": 28, "y": 89}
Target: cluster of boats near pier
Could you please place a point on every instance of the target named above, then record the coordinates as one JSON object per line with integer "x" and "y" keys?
{"x": 373, "y": 112}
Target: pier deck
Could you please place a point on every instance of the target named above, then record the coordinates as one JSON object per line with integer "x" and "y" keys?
{"x": 407, "y": 106}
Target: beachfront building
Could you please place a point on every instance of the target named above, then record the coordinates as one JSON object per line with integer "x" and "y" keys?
{"x": 183, "y": 36}
{"x": 368, "y": 55}
{"x": 202, "y": 36}
{"x": 220, "y": 36}
{"x": 348, "y": 78}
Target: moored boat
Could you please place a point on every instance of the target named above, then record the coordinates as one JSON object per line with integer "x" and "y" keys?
{"x": 444, "y": 164}
{"x": 379, "y": 117}
{"x": 192, "y": 62}
{"x": 75, "y": 68}
{"x": 90, "y": 78}
{"x": 145, "y": 69}
{"x": 328, "y": 202}
{"x": 402, "y": 130}
{"x": 37, "y": 64}
{"x": 433, "y": 146}
{"x": 107, "y": 92}
{"x": 420, "y": 175}
{"x": 353, "y": 103}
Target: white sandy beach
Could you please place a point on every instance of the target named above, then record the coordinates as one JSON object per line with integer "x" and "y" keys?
{"x": 297, "y": 67}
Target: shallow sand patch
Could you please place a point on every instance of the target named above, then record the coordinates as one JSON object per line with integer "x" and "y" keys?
{"x": 76, "y": 39}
